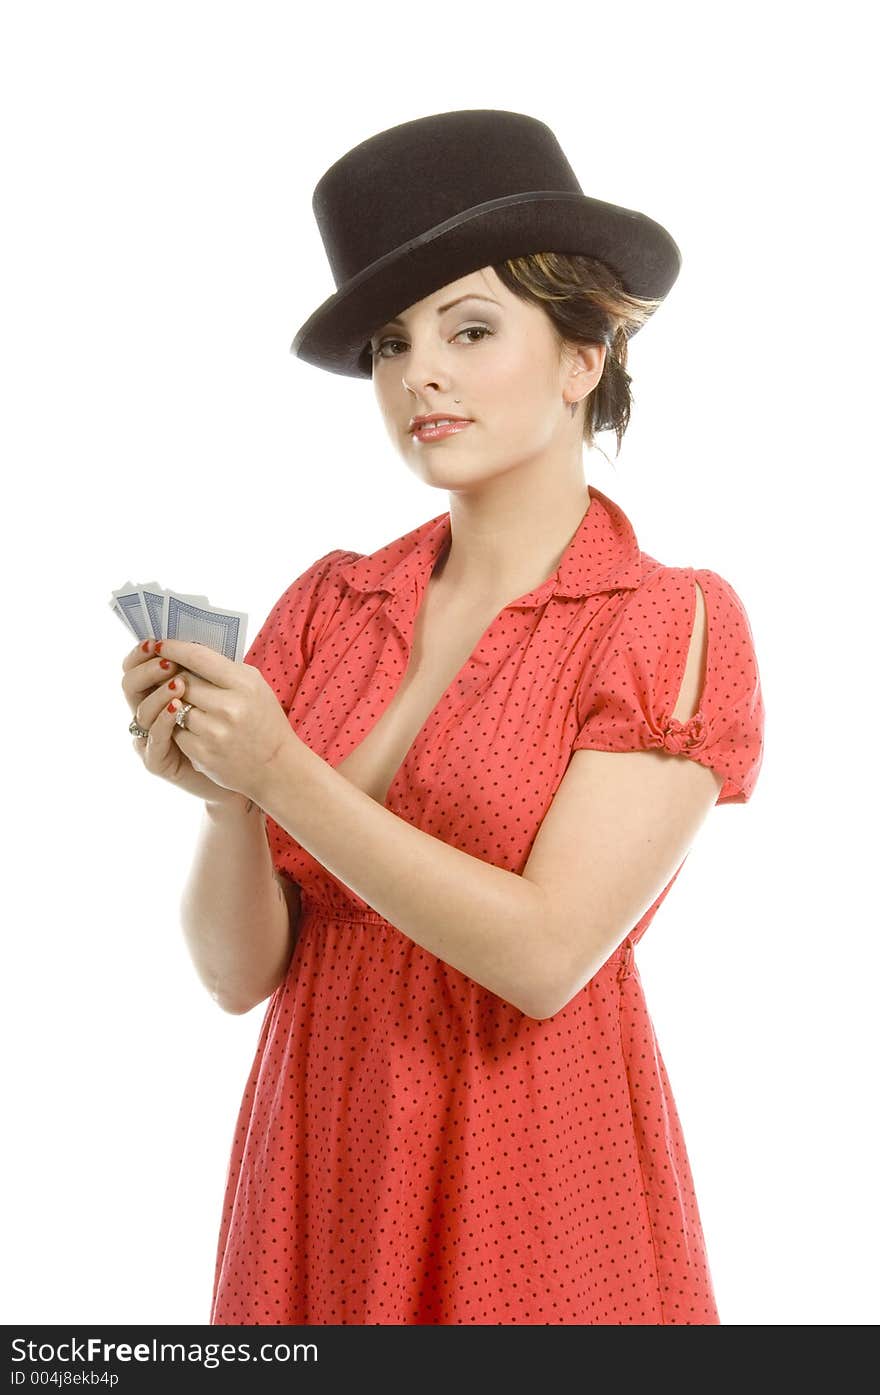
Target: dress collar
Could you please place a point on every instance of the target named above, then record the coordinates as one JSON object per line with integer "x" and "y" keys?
{"x": 603, "y": 555}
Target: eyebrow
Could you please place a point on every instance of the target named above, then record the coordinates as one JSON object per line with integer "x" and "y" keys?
{"x": 449, "y": 304}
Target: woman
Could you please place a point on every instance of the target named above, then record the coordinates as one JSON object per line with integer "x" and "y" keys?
{"x": 469, "y": 766}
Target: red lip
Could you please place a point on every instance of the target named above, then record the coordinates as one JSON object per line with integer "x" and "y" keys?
{"x": 431, "y": 432}
{"x": 416, "y": 422}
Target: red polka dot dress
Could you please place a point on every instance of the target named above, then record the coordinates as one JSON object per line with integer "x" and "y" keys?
{"x": 410, "y": 1147}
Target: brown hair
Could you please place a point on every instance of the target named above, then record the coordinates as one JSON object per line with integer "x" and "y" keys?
{"x": 586, "y": 304}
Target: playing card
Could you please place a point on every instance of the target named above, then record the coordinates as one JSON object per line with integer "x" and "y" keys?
{"x": 151, "y": 611}
{"x": 155, "y": 602}
{"x": 223, "y": 630}
{"x": 128, "y": 603}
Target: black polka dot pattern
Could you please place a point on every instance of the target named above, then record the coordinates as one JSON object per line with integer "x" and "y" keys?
{"x": 411, "y": 1148}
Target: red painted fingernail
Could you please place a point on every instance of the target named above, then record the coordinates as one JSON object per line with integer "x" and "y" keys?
{"x": 172, "y": 684}
{"x": 159, "y": 643}
{"x": 146, "y": 646}
{"x": 164, "y": 663}
{"x": 171, "y": 707}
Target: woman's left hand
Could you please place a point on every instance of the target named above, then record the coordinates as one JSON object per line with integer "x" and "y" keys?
{"x": 236, "y": 726}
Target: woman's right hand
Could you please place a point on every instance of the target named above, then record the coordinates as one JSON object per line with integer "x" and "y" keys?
{"x": 146, "y": 683}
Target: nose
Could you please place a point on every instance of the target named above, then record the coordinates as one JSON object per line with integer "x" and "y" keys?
{"x": 416, "y": 383}
{"x": 422, "y": 369}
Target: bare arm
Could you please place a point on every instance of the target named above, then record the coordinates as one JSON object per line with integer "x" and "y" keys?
{"x": 239, "y": 917}
{"x": 619, "y": 827}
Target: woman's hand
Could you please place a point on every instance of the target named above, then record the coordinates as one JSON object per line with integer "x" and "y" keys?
{"x": 148, "y": 691}
{"x": 236, "y": 726}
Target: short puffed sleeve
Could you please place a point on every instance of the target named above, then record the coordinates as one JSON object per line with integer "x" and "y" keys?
{"x": 282, "y": 649}
{"x": 630, "y": 688}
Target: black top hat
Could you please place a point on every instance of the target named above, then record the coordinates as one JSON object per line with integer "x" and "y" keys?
{"x": 422, "y": 204}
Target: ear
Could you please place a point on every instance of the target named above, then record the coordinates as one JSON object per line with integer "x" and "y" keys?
{"x": 583, "y": 365}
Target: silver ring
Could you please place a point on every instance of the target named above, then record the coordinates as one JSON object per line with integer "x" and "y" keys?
{"x": 138, "y": 731}
{"x": 180, "y": 719}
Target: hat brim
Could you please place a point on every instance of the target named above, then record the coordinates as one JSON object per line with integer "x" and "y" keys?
{"x": 641, "y": 252}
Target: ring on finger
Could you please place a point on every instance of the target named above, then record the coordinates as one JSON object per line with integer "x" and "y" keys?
{"x": 180, "y": 719}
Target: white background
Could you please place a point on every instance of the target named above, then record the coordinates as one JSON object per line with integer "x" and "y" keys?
{"x": 159, "y": 252}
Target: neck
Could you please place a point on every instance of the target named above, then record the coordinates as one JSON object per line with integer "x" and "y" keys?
{"x": 507, "y": 538}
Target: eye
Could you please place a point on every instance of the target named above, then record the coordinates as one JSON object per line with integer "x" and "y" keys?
{"x": 476, "y": 329}
{"x": 470, "y": 329}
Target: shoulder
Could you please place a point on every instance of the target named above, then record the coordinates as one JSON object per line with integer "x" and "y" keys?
{"x": 302, "y": 612}
{"x": 679, "y": 621}
{"x": 306, "y": 596}
{"x": 319, "y": 576}
{"x": 671, "y": 595}
{"x": 333, "y": 561}
{"x": 722, "y": 598}
{"x": 661, "y": 608}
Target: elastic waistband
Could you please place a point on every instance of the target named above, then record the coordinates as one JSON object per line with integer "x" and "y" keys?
{"x": 623, "y": 956}
{"x": 353, "y": 917}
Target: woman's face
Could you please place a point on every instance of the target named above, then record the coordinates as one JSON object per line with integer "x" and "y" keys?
{"x": 492, "y": 358}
